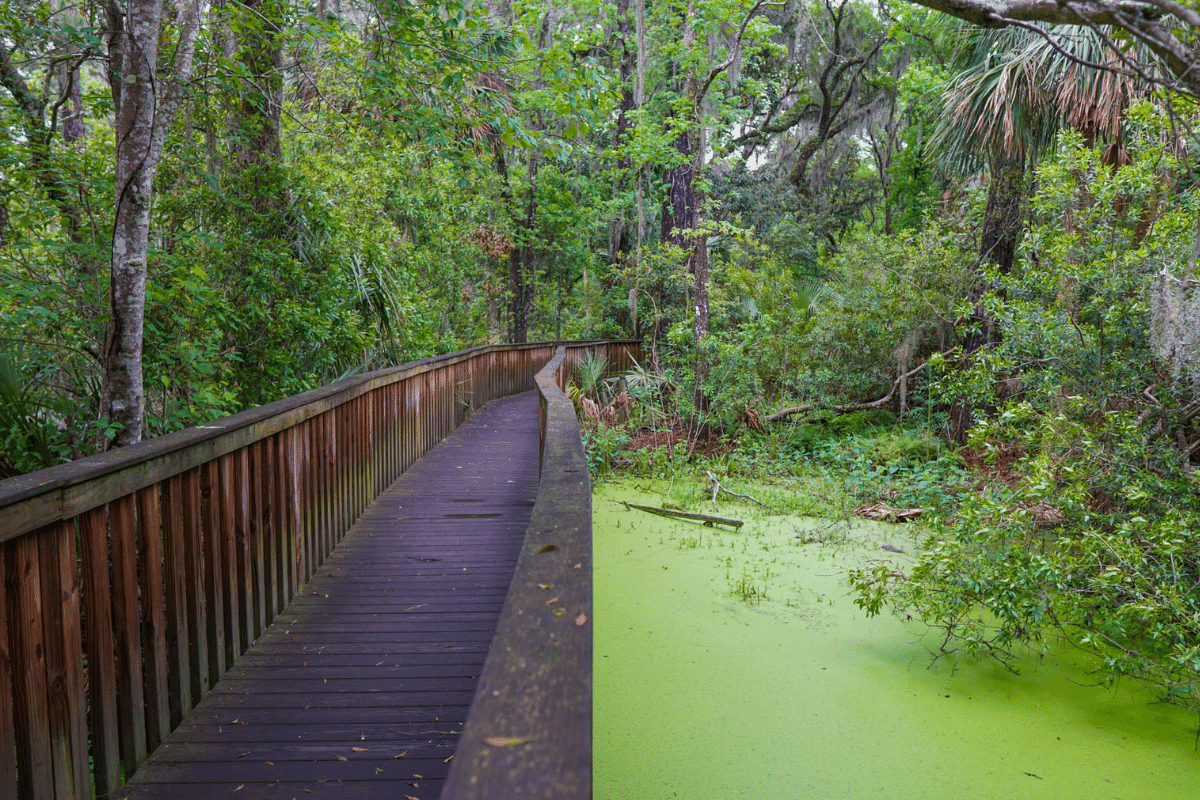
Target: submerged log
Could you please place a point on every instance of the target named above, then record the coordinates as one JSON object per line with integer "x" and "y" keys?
{"x": 705, "y": 518}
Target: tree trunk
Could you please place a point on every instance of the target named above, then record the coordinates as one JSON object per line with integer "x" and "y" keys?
{"x": 134, "y": 181}
{"x": 39, "y": 140}
{"x": 258, "y": 140}
{"x": 618, "y": 229}
{"x": 1003, "y": 220}
{"x": 521, "y": 270}
{"x": 145, "y": 106}
{"x": 1004, "y": 217}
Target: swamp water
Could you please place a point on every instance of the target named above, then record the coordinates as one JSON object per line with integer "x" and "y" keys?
{"x": 799, "y": 695}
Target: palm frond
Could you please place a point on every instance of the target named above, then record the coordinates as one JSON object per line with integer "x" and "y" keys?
{"x": 1016, "y": 88}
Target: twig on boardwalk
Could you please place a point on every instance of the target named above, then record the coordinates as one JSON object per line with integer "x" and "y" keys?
{"x": 717, "y": 487}
{"x": 706, "y": 519}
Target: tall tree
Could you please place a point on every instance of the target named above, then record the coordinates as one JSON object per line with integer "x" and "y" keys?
{"x": 710, "y": 43}
{"x": 145, "y": 105}
{"x": 1015, "y": 90}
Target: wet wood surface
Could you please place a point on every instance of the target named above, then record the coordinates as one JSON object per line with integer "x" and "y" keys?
{"x": 361, "y": 686}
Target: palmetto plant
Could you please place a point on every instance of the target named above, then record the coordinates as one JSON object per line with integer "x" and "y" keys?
{"x": 1016, "y": 88}
{"x": 591, "y": 369}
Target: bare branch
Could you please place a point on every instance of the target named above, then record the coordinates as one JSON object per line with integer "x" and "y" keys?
{"x": 847, "y": 408}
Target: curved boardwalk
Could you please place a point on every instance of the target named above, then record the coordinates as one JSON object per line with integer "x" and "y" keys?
{"x": 361, "y": 687}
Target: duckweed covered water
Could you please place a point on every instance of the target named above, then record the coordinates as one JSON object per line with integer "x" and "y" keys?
{"x": 734, "y": 664}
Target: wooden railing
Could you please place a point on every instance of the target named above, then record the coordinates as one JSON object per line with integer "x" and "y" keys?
{"x": 529, "y": 732}
{"x": 133, "y": 579}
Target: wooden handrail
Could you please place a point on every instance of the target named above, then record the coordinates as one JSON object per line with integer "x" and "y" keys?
{"x": 133, "y": 579}
{"x": 529, "y": 732}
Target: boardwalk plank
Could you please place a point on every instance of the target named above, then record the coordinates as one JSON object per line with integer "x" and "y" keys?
{"x": 381, "y": 649}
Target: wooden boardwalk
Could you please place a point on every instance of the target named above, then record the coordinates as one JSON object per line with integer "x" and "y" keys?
{"x": 361, "y": 687}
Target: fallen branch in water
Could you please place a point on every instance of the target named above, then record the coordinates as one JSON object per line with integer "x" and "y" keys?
{"x": 883, "y": 512}
{"x": 706, "y": 519}
{"x": 717, "y": 488}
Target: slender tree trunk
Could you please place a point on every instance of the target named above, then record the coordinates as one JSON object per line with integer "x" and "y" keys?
{"x": 521, "y": 270}
{"x": 39, "y": 141}
{"x": 618, "y": 236}
{"x": 134, "y": 182}
{"x": 145, "y": 106}
{"x": 258, "y": 136}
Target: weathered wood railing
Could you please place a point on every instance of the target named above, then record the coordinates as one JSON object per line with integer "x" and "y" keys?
{"x": 529, "y": 733}
{"x": 134, "y": 579}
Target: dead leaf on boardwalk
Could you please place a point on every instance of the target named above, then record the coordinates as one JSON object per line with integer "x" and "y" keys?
{"x": 558, "y": 612}
{"x": 400, "y": 755}
{"x": 552, "y": 601}
{"x": 578, "y": 566}
{"x": 548, "y": 548}
{"x": 545, "y": 585}
{"x": 506, "y": 741}
{"x": 409, "y": 797}
{"x": 447, "y": 761}
{"x": 581, "y": 620}
{"x": 341, "y": 758}
{"x": 360, "y": 749}
{"x": 240, "y": 787}
{"x": 243, "y": 755}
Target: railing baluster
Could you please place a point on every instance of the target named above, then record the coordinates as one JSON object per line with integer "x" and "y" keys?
{"x": 131, "y": 703}
{"x": 101, "y": 669}
{"x": 61, "y": 620}
{"x": 8, "y": 746}
{"x": 256, "y": 482}
{"x": 230, "y": 583}
{"x": 290, "y": 487}
{"x": 353, "y": 445}
{"x": 214, "y": 589}
{"x": 239, "y": 472}
{"x": 179, "y": 678}
{"x": 320, "y": 486}
{"x": 304, "y": 522}
{"x": 347, "y": 509}
{"x": 268, "y": 520}
{"x": 23, "y": 584}
{"x": 195, "y": 578}
{"x": 312, "y": 522}
{"x": 64, "y": 667}
{"x": 154, "y": 623}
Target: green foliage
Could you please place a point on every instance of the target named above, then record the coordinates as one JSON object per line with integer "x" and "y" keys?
{"x": 897, "y": 294}
{"x": 603, "y": 445}
{"x": 1090, "y": 537}
{"x": 28, "y": 439}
